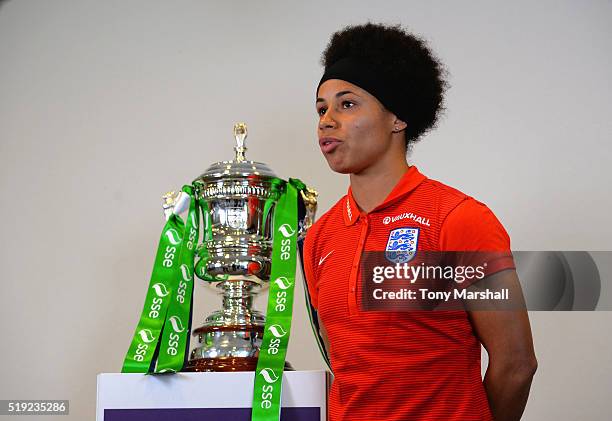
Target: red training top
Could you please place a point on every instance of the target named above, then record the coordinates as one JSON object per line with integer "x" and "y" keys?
{"x": 415, "y": 365}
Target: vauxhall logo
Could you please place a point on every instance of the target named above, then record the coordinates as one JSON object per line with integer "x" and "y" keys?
{"x": 406, "y": 215}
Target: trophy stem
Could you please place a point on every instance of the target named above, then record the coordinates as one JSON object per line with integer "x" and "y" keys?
{"x": 230, "y": 338}
{"x": 237, "y": 297}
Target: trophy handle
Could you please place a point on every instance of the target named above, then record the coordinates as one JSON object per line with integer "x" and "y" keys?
{"x": 309, "y": 199}
{"x": 175, "y": 203}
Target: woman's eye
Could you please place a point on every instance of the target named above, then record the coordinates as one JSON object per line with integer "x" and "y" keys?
{"x": 321, "y": 110}
{"x": 347, "y": 104}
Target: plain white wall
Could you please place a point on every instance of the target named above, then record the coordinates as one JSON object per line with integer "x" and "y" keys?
{"x": 104, "y": 106}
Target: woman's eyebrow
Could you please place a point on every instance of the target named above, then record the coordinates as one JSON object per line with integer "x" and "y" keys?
{"x": 338, "y": 95}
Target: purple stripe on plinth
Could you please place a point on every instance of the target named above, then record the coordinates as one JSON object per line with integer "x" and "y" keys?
{"x": 208, "y": 414}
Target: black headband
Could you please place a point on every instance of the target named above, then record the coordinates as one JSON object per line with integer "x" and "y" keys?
{"x": 368, "y": 78}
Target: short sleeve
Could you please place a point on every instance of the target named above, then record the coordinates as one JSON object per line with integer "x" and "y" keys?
{"x": 471, "y": 226}
{"x": 309, "y": 258}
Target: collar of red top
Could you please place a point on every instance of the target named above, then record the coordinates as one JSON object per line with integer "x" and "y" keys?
{"x": 409, "y": 181}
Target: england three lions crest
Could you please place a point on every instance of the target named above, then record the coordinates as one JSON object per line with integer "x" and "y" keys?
{"x": 402, "y": 245}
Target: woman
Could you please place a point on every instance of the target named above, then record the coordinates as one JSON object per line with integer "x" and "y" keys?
{"x": 381, "y": 91}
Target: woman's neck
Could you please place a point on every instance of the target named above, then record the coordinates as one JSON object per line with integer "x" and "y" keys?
{"x": 372, "y": 186}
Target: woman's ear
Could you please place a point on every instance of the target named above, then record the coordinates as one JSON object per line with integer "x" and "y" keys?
{"x": 398, "y": 125}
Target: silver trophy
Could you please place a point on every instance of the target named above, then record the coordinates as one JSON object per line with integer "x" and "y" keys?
{"x": 238, "y": 199}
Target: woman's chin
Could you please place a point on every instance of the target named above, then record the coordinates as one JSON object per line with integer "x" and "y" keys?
{"x": 339, "y": 167}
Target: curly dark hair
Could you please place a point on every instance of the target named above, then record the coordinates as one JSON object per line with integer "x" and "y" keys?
{"x": 406, "y": 60}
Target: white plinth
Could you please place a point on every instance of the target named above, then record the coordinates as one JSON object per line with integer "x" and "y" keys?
{"x": 210, "y": 396}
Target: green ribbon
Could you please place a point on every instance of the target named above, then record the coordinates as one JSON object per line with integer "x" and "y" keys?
{"x": 167, "y": 306}
{"x": 273, "y": 350}
{"x": 175, "y": 337}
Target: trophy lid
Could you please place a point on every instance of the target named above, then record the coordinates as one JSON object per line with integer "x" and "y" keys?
{"x": 239, "y": 167}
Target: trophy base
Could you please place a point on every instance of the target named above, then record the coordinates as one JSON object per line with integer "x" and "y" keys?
{"x": 226, "y": 364}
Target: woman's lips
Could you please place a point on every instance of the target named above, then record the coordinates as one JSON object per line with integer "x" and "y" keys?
{"x": 329, "y": 144}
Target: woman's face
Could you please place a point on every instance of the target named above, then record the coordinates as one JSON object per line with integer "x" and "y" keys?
{"x": 355, "y": 130}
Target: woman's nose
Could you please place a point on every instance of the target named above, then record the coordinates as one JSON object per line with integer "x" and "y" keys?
{"x": 327, "y": 121}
